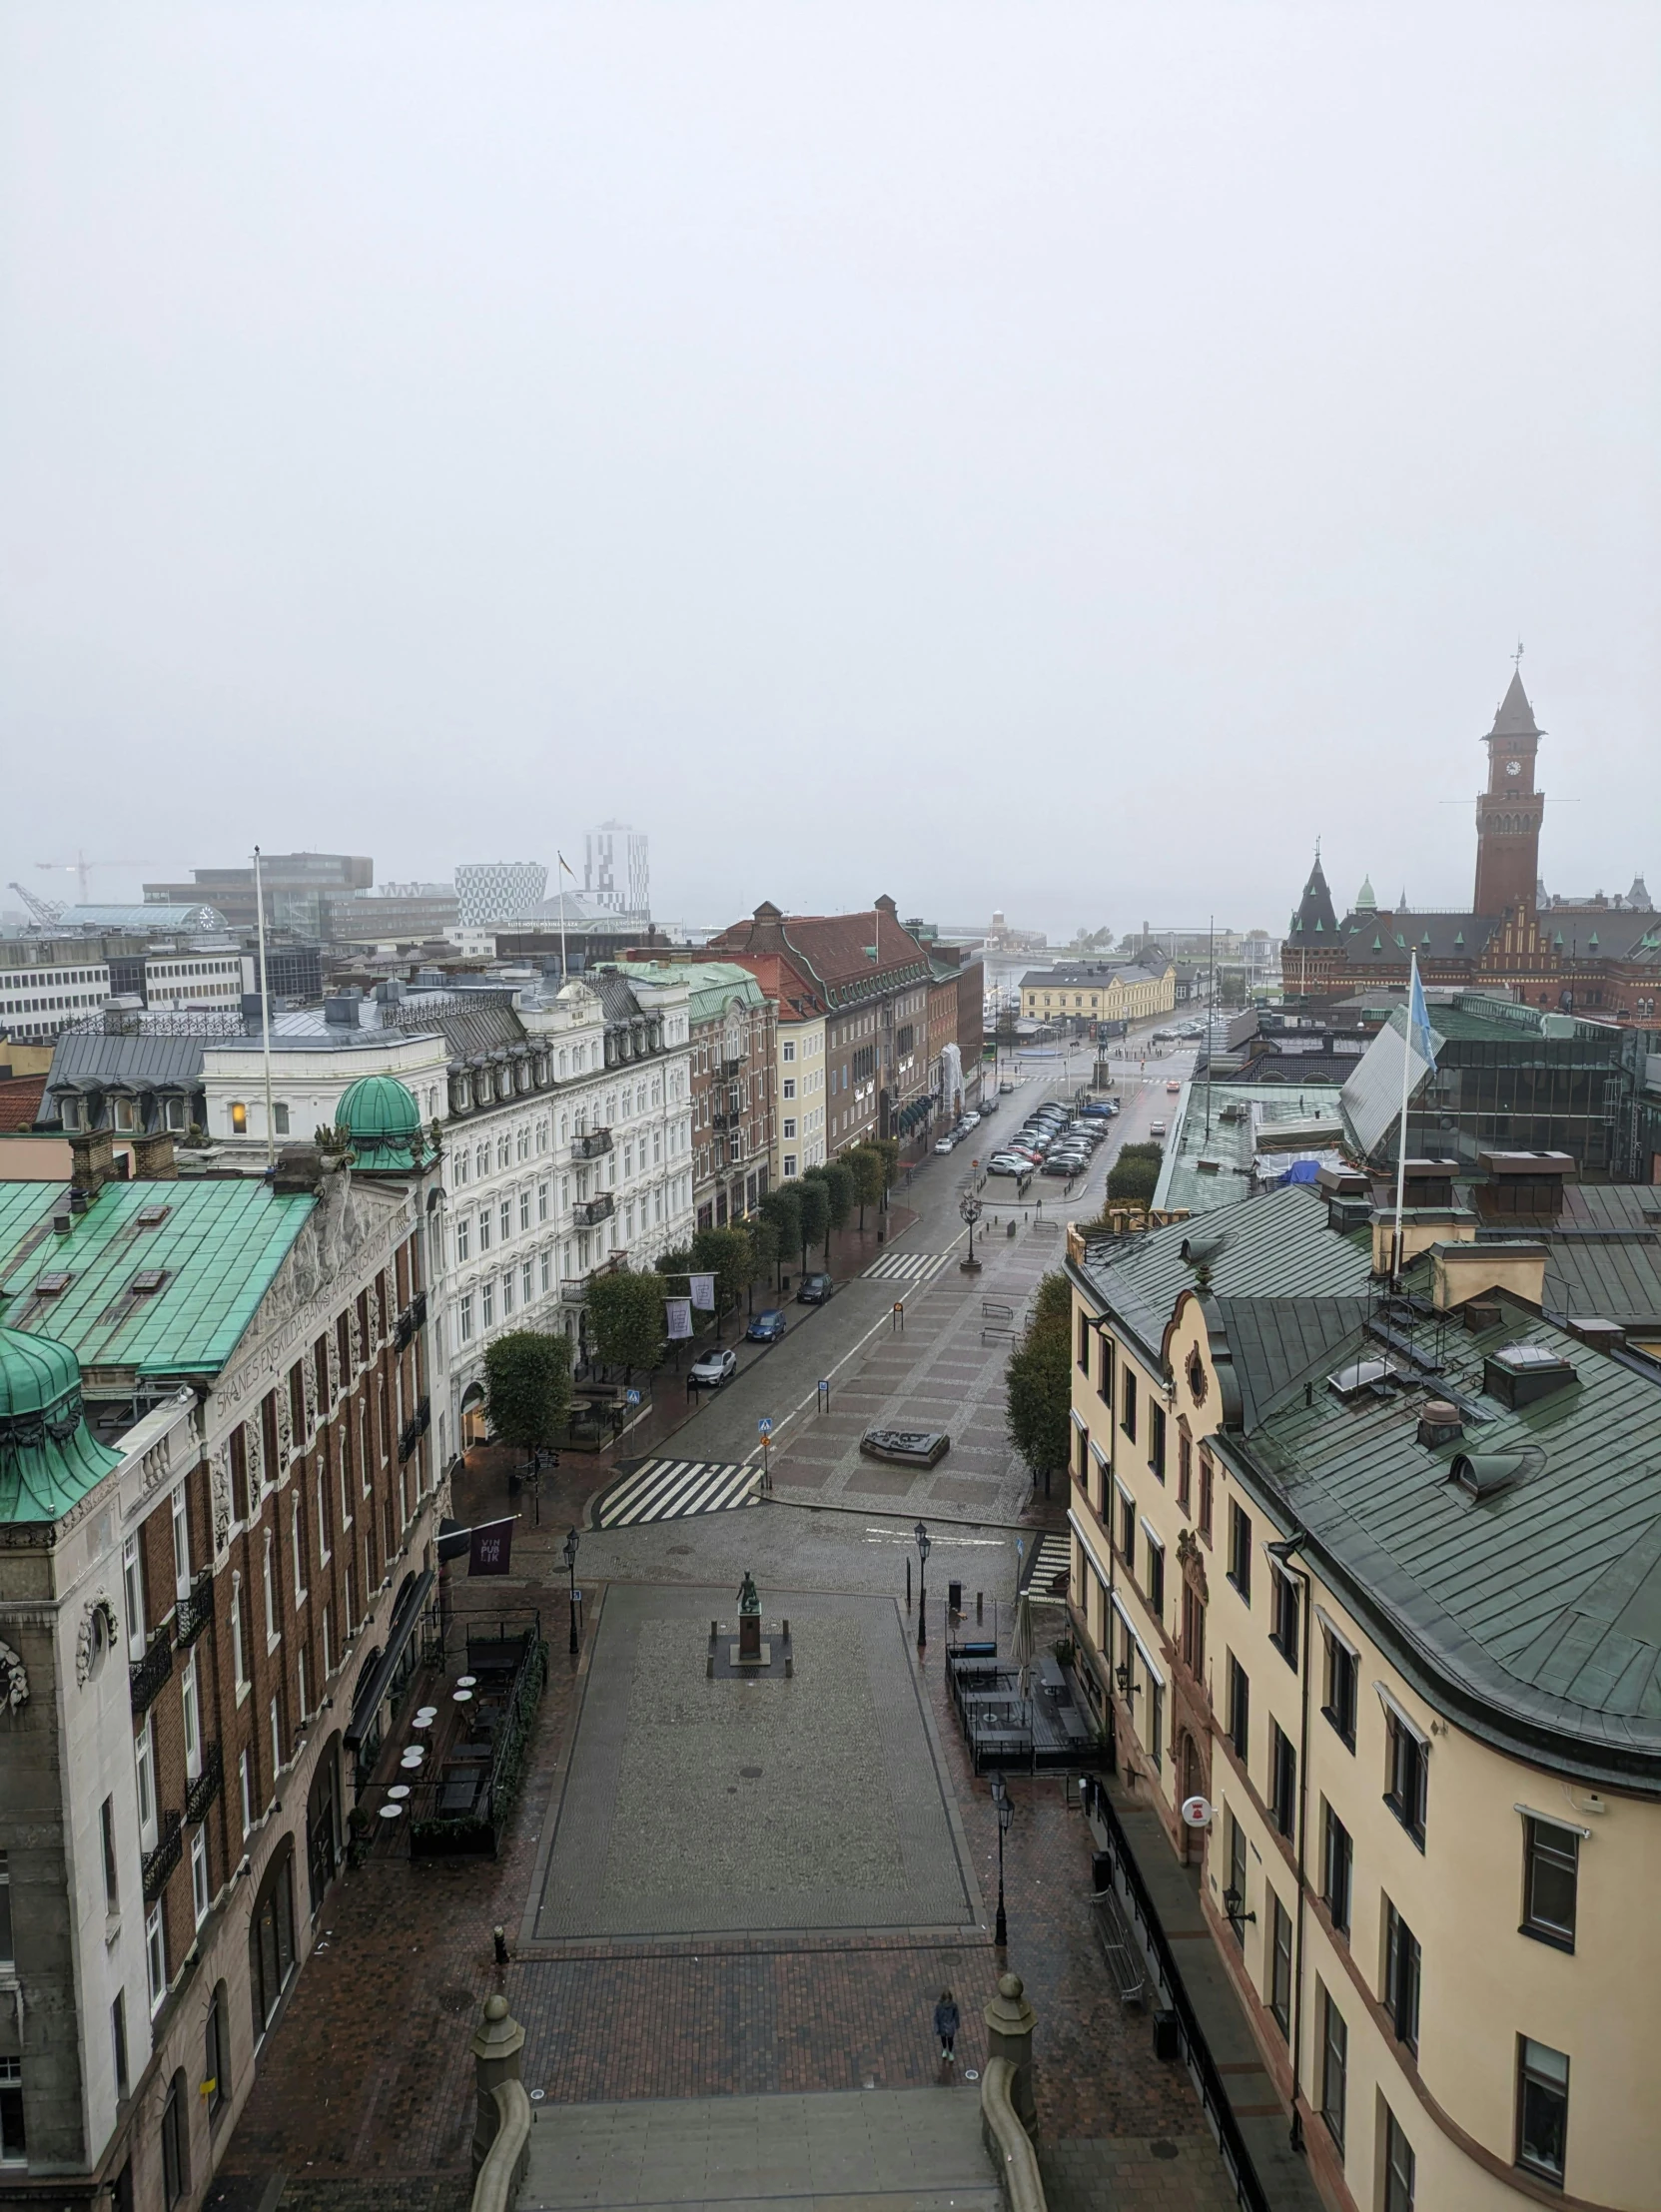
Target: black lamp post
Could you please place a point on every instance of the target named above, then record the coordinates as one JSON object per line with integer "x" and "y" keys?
{"x": 969, "y": 1208}
{"x": 1003, "y": 1805}
{"x": 922, "y": 1585}
{"x": 571, "y": 1568}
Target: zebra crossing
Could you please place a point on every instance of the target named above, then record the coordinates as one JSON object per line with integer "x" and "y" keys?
{"x": 906, "y": 1267}
{"x": 674, "y": 1489}
{"x": 1051, "y": 1558}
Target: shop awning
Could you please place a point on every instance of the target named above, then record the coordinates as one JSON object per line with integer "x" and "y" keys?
{"x": 373, "y": 1687}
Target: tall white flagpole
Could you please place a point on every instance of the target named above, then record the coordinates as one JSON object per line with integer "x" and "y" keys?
{"x": 1401, "y": 1131}
{"x": 264, "y": 1008}
{"x": 564, "y": 971}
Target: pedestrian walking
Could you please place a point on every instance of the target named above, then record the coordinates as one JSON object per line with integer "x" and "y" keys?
{"x": 946, "y": 2023}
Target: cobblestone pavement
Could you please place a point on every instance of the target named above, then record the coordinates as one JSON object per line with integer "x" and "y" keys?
{"x": 364, "y": 2095}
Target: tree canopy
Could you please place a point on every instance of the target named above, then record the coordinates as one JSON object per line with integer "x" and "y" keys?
{"x": 1039, "y": 1379}
{"x": 814, "y": 1202}
{"x": 864, "y": 1164}
{"x": 726, "y": 1254}
{"x": 527, "y": 1385}
{"x": 625, "y": 1317}
{"x": 1134, "y": 1173}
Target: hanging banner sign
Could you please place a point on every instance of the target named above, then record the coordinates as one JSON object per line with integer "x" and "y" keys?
{"x": 680, "y": 1314}
{"x": 492, "y": 1546}
{"x": 703, "y": 1292}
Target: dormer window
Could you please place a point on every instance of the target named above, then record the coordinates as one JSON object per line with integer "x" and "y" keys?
{"x": 70, "y": 1114}
{"x": 148, "y": 1281}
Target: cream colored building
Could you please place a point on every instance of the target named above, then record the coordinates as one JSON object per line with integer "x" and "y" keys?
{"x": 1098, "y": 991}
{"x": 1387, "y": 1595}
{"x": 801, "y": 1095}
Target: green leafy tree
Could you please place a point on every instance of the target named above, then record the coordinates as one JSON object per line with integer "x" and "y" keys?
{"x": 1134, "y": 1175}
{"x": 726, "y": 1254}
{"x": 864, "y": 1164}
{"x": 625, "y": 1315}
{"x": 764, "y": 1246}
{"x": 783, "y": 1211}
{"x": 1038, "y": 1380}
{"x": 527, "y": 1388}
{"x": 814, "y": 1202}
{"x": 839, "y": 1188}
{"x": 887, "y": 1150}
{"x": 677, "y": 1262}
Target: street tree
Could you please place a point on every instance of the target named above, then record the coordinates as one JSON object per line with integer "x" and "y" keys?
{"x": 783, "y": 1210}
{"x": 814, "y": 1202}
{"x": 625, "y": 1316}
{"x": 527, "y": 1388}
{"x": 726, "y": 1254}
{"x": 864, "y": 1164}
{"x": 1038, "y": 1380}
{"x": 1134, "y": 1175}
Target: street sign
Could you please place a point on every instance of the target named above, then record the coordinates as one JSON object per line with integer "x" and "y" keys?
{"x": 632, "y": 1396}
{"x": 765, "y": 1425}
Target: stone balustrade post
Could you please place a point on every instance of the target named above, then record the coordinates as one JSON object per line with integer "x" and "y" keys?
{"x": 1009, "y": 2034}
{"x": 495, "y": 2049}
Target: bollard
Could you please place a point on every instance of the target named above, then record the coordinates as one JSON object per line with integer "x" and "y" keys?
{"x": 1009, "y": 2034}
{"x": 979, "y": 1607}
{"x": 908, "y": 1582}
{"x": 714, "y": 1632}
{"x": 499, "y": 1935}
{"x": 495, "y": 2048}
{"x": 709, "y": 1667}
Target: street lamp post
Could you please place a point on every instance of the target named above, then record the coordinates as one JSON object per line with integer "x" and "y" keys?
{"x": 1003, "y": 1805}
{"x": 922, "y": 1585}
{"x": 571, "y": 1568}
{"x": 969, "y": 1208}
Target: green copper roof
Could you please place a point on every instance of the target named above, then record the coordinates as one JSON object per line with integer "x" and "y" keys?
{"x": 161, "y": 1278}
{"x": 48, "y": 1457}
{"x": 383, "y": 1121}
{"x": 714, "y": 984}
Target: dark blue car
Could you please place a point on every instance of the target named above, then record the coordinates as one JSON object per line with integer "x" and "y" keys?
{"x": 767, "y": 1327}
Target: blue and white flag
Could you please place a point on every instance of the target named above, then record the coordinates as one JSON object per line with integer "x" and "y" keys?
{"x": 1420, "y": 1033}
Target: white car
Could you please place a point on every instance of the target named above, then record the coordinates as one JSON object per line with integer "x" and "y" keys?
{"x": 710, "y": 1369}
{"x": 945, "y": 1145}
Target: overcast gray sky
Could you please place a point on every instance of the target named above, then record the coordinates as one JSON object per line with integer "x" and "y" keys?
{"x": 1061, "y": 458}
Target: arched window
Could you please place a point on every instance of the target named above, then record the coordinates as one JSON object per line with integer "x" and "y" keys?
{"x": 238, "y": 1117}
{"x": 271, "y": 1943}
{"x": 176, "y": 2142}
{"x": 215, "y": 2054}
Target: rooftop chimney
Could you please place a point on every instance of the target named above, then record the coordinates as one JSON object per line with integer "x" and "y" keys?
{"x": 153, "y": 1157}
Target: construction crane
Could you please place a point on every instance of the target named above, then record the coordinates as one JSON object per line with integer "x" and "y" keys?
{"x": 80, "y": 868}
{"x": 45, "y": 913}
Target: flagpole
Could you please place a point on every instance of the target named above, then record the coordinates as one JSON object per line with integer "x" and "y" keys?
{"x": 264, "y": 1007}
{"x": 564, "y": 971}
{"x": 1401, "y": 1132}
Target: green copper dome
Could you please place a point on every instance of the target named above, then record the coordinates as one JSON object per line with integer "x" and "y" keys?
{"x": 48, "y": 1456}
{"x": 383, "y": 1121}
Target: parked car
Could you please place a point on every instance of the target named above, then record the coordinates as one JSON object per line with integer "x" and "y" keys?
{"x": 1007, "y": 1164}
{"x": 986, "y": 1107}
{"x": 767, "y": 1327}
{"x": 815, "y": 1290}
{"x": 710, "y": 1369}
{"x": 945, "y": 1143}
{"x": 1004, "y": 1090}
{"x": 1058, "y": 1165}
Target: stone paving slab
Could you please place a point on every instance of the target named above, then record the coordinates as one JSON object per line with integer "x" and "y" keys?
{"x": 695, "y": 1805}
{"x": 883, "y": 2151}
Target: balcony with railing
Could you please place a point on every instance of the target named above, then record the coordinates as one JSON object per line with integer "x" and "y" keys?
{"x": 196, "y": 1609}
{"x": 160, "y": 1862}
{"x": 410, "y": 1320}
{"x": 587, "y": 1212}
{"x": 207, "y": 1786}
{"x": 414, "y": 1429}
{"x": 591, "y": 1144}
{"x": 150, "y": 1674}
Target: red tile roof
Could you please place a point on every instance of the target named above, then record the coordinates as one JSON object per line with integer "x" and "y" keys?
{"x": 20, "y": 1098}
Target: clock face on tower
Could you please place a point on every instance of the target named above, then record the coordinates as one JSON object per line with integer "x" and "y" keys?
{"x": 1513, "y": 767}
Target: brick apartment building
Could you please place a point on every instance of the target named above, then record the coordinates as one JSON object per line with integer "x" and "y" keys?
{"x": 218, "y": 1516}
{"x": 867, "y": 977}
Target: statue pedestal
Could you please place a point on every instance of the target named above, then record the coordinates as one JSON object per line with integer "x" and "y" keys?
{"x": 738, "y": 1656}
{"x": 749, "y": 1637}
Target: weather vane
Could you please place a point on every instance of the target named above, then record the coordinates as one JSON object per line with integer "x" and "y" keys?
{"x": 1516, "y": 657}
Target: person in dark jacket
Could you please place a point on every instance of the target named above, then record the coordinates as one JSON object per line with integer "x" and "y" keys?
{"x": 946, "y": 2023}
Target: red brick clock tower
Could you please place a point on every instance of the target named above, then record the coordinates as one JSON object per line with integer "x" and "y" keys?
{"x": 1509, "y": 812}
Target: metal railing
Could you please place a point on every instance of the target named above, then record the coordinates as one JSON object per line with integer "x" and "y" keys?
{"x": 151, "y": 1673}
{"x": 196, "y": 1609}
{"x": 208, "y": 1784}
{"x": 591, "y": 1146}
{"x": 414, "y": 1429}
{"x": 160, "y": 1862}
{"x": 586, "y": 1211}
{"x": 410, "y": 1320}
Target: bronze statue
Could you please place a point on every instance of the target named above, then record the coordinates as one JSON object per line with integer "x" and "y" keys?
{"x": 749, "y": 1598}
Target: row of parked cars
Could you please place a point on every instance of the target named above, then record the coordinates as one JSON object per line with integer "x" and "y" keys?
{"x": 1052, "y": 1142}
{"x": 971, "y": 1122}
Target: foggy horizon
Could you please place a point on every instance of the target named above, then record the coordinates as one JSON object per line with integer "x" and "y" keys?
{"x": 1062, "y": 462}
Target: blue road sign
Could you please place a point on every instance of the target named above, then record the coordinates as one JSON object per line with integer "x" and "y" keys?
{"x": 765, "y": 1426}
{"x": 633, "y": 1396}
